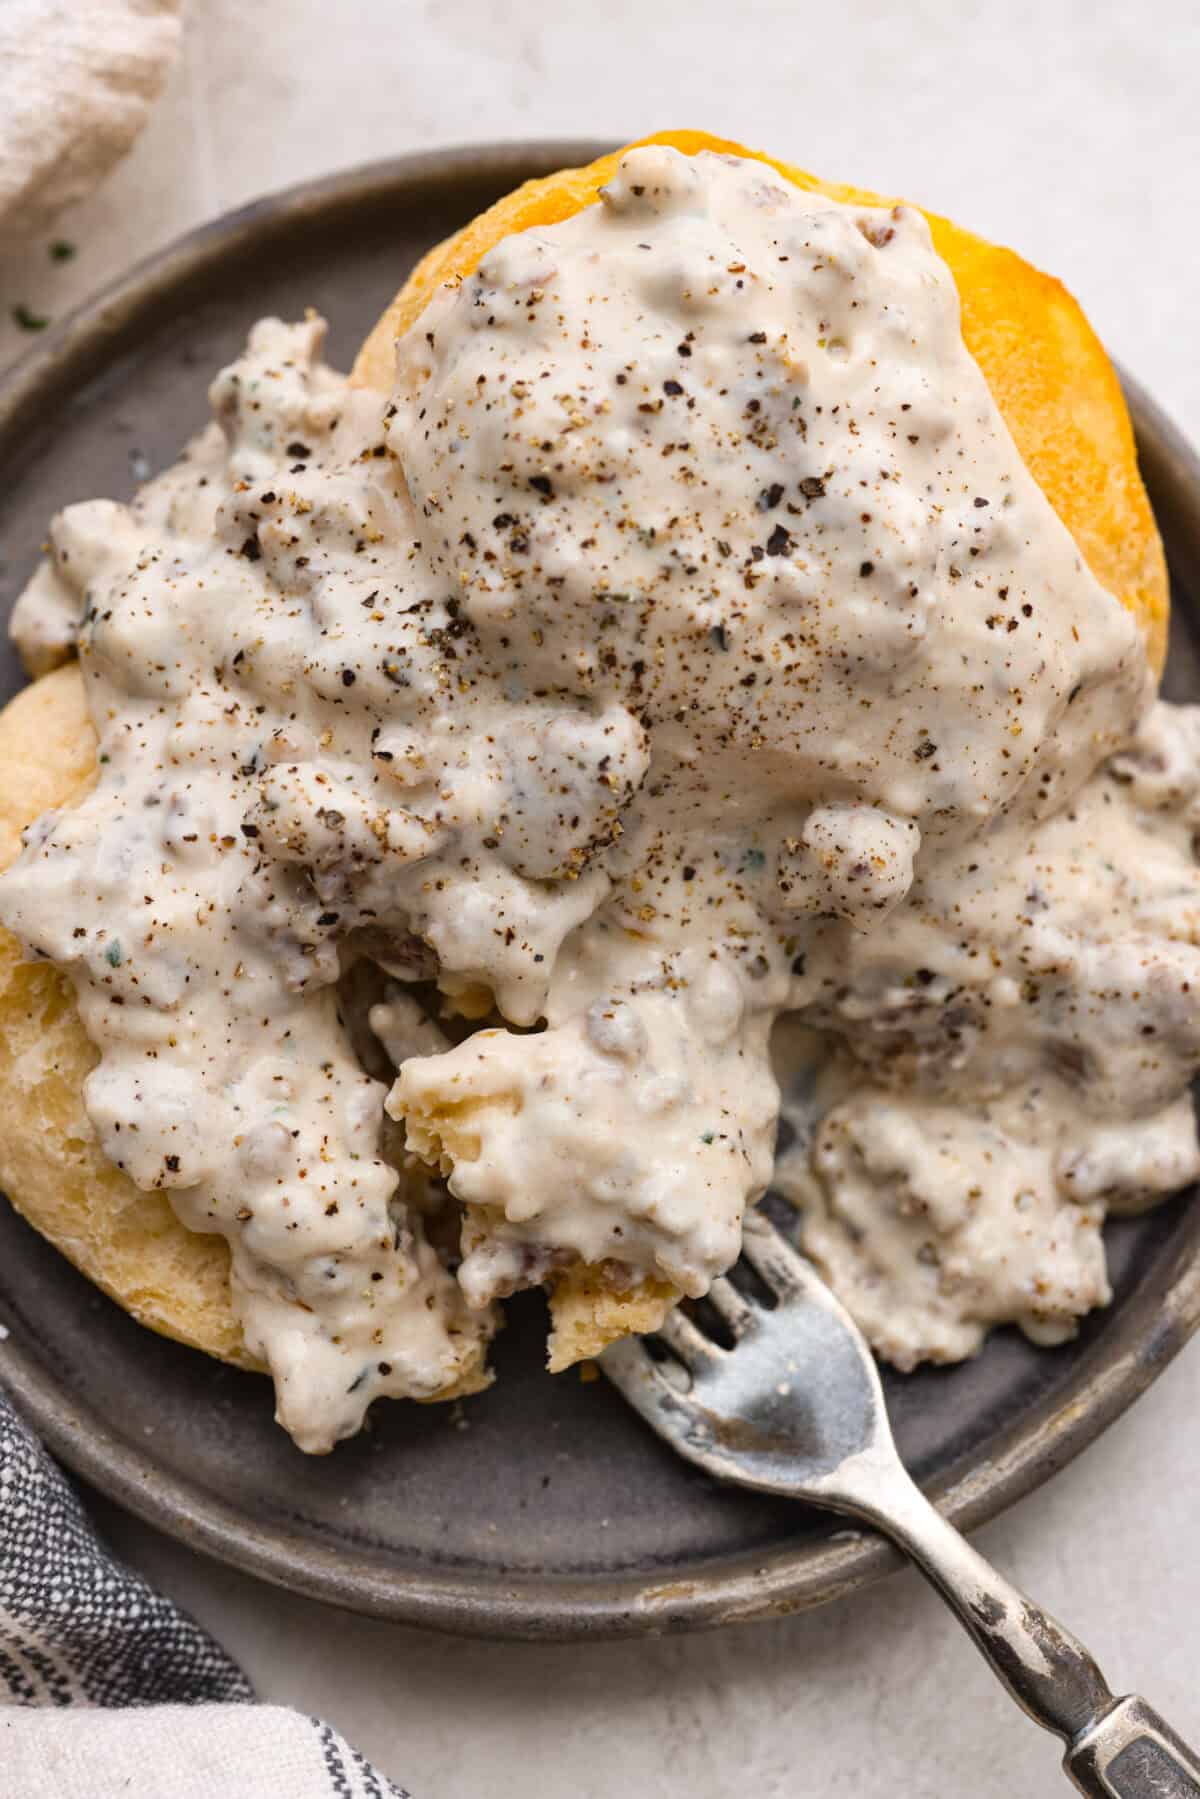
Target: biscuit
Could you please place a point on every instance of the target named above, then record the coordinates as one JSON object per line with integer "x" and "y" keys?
{"x": 1062, "y": 402}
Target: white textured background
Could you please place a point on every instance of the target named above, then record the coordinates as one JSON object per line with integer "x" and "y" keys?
{"x": 1070, "y": 131}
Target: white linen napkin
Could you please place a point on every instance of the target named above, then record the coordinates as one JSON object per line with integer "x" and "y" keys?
{"x": 77, "y": 81}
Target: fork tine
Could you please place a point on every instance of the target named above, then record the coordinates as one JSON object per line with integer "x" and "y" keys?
{"x": 737, "y": 1311}
{"x": 639, "y": 1378}
{"x": 686, "y": 1340}
{"x": 772, "y": 1257}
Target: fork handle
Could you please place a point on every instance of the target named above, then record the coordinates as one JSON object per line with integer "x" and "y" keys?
{"x": 1131, "y": 1753}
{"x": 1116, "y": 1748}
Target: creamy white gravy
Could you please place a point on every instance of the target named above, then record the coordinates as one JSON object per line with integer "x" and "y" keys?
{"x": 685, "y": 643}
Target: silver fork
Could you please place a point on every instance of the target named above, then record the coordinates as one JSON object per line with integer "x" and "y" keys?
{"x": 796, "y": 1407}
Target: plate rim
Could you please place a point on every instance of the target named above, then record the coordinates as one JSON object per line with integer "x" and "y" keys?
{"x": 1151, "y": 1328}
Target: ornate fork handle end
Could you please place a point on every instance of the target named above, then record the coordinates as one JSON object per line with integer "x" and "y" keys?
{"x": 1131, "y": 1753}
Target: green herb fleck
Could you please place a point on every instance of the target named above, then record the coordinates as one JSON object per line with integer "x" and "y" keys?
{"x": 61, "y": 250}
{"x": 113, "y": 956}
{"x": 29, "y": 320}
{"x": 706, "y": 1136}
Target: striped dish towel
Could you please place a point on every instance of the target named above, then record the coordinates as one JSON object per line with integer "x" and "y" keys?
{"x": 109, "y": 1691}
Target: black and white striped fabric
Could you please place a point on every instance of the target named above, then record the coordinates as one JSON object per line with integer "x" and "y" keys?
{"x": 108, "y": 1689}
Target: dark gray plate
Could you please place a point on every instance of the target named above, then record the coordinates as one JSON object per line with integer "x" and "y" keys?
{"x": 545, "y": 1508}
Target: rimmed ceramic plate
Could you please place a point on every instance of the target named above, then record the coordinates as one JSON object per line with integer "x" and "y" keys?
{"x": 541, "y": 1508}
